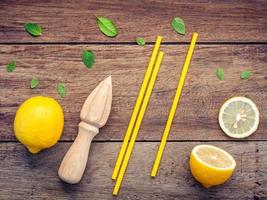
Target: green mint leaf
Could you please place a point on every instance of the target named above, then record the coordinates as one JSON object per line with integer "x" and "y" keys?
{"x": 33, "y": 29}
{"x": 34, "y": 83}
{"x": 219, "y": 73}
{"x": 88, "y": 58}
{"x": 178, "y": 25}
{"x": 11, "y": 66}
{"x": 245, "y": 74}
{"x": 140, "y": 41}
{"x": 106, "y": 26}
{"x": 62, "y": 90}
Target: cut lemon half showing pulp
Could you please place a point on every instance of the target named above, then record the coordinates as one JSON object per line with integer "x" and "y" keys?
{"x": 211, "y": 165}
{"x": 239, "y": 117}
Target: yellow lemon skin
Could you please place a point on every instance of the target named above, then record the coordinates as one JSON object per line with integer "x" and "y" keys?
{"x": 207, "y": 175}
{"x": 39, "y": 123}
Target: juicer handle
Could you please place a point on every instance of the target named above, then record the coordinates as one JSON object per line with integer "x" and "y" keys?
{"x": 74, "y": 162}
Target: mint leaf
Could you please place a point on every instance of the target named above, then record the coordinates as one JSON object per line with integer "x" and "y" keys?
{"x": 88, "y": 58}
{"x": 178, "y": 25}
{"x": 219, "y": 73}
{"x": 62, "y": 90}
{"x": 106, "y": 26}
{"x": 140, "y": 41}
{"x": 245, "y": 74}
{"x": 33, "y": 29}
{"x": 34, "y": 83}
{"x": 11, "y": 66}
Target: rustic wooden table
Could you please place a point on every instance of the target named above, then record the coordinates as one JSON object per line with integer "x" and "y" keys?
{"x": 232, "y": 35}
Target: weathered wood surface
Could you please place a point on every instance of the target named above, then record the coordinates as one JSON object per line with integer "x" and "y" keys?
{"x": 74, "y": 21}
{"x": 232, "y": 36}
{"x": 27, "y": 176}
{"x": 203, "y": 94}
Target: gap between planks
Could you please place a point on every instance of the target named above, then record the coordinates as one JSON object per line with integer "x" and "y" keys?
{"x": 132, "y": 43}
{"x": 149, "y": 141}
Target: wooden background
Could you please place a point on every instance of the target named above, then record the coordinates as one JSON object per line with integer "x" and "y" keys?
{"x": 232, "y": 35}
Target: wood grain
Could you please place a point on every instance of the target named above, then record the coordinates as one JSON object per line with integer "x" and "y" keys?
{"x": 232, "y": 35}
{"x": 27, "y": 176}
{"x": 74, "y": 21}
{"x": 203, "y": 94}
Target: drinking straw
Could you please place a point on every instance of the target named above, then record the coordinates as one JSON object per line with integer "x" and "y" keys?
{"x": 174, "y": 105}
{"x": 138, "y": 123}
{"x": 136, "y": 108}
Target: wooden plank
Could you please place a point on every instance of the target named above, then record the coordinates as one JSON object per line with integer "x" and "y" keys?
{"x": 203, "y": 94}
{"x": 74, "y": 21}
{"x": 26, "y": 176}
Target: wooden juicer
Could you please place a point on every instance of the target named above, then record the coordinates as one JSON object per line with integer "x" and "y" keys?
{"x": 94, "y": 115}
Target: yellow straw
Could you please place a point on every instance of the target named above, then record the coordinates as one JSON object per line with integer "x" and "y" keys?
{"x": 136, "y": 108}
{"x": 174, "y": 105}
{"x": 138, "y": 123}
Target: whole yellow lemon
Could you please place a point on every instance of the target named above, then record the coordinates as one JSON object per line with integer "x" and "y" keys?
{"x": 39, "y": 123}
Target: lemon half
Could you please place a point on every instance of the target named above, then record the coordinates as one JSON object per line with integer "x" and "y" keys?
{"x": 211, "y": 165}
{"x": 239, "y": 117}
